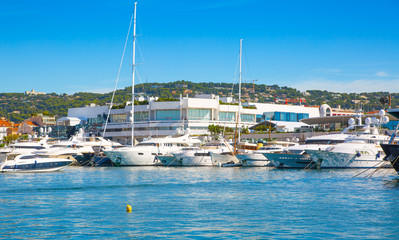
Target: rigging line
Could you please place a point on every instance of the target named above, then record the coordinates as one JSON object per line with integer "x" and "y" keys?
{"x": 389, "y": 169}
{"x": 231, "y": 94}
{"x": 141, "y": 53}
{"x": 141, "y": 112}
{"x": 248, "y": 70}
{"x": 372, "y": 173}
{"x": 366, "y": 170}
{"x": 117, "y": 78}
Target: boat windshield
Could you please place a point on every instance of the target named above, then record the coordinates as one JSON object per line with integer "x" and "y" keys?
{"x": 296, "y": 151}
{"x": 323, "y": 141}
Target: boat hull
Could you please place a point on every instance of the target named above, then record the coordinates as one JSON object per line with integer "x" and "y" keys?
{"x": 133, "y": 158}
{"x": 39, "y": 165}
{"x": 169, "y": 161}
{"x": 254, "y": 160}
{"x": 331, "y": 159}
{"x": 290, "y": 160}
{"x": 392, "y": 155}
{"x": 223, "y": 159}
{"x": 345, "y": 160}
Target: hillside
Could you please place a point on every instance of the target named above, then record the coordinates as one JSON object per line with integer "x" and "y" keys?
{"x": 18, "y": 106}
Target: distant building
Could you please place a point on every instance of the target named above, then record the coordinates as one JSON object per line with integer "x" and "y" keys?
{"x": 26, "y": 127}
{"x": 164, "y": 118}
{"x": 4, "y": 126}
{"x": 33, "y": 92}
{"x": 68, "y": 121}
{"x": 48, "y": 120}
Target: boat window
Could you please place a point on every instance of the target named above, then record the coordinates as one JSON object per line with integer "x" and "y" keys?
{"x": 323, "y": 141}
{"x": 146, "y": 144}
{"x": 153, "y": 154}
{"x": 141, "y": 153}
{"x": 27, "y": 157}
{"x": 202, "y": 154}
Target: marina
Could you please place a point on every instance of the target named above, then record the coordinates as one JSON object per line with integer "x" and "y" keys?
{"x": 222, "y": 120}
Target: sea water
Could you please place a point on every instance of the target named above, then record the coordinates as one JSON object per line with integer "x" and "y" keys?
{"x": 199, "y": 203}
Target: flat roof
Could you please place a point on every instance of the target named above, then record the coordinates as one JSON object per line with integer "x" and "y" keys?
{"x": 340, "y": 119}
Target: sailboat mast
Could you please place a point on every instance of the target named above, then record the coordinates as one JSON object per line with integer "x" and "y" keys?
{"x": 133, "y": 71}
{"x": 239, "y": 92}
{"x": 238, "y": 121}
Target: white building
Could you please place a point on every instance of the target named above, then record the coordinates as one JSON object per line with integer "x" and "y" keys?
{"x": 163, "y": 118}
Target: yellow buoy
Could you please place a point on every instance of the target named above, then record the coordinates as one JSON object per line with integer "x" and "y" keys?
{"x": 128, "y": 208}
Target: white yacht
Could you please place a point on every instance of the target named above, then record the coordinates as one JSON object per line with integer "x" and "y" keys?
{"x": 200, "y": 156}
{"x": 358, "y": 151}
{"x": 257, "y": 159}
{"x": 144, "y": 153}
{"x": 79, "y": 148}
{"x": 32, "y": 163}
{"x": 23, "y": 147}
{"x": 297, "y": 157}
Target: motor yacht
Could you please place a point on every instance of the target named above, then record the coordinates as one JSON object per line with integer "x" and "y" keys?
{"x": 33, "y": 163}
{"x": 257, "y": 159}
{"x": 144, "y": 153}
{"x": 358, "y": 151}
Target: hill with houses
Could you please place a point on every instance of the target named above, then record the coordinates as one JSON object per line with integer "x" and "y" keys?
{"x": 18, "y": 107}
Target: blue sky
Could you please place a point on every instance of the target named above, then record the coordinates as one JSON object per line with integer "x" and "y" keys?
{"x": 72, "y": 46}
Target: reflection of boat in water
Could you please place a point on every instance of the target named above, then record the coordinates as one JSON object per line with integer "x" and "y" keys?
{"x": 33, "y": 163}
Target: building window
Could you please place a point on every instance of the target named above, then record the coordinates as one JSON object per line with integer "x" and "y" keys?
{"x": 302, "y": 116}
{"x": 227, "y": 116}
{"x": 268, "y": 116}
{"x": 118, "y": 118}
{"x": 247, "y": 118}
{"x": 199, "y": 114}
{"x": 140, "y": 116}
{"x": 168, "y": 114}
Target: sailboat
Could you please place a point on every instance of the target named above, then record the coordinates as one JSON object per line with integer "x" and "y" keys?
{"x": 146, "y": 152}
{"x": 229, "y": 159}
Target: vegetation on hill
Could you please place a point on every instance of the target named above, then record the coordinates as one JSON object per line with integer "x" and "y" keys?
{"x": 18, "y": 106}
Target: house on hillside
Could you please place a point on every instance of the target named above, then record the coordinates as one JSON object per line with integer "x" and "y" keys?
{"x": 4, "y": 126}
{"x": 26, "y": 127}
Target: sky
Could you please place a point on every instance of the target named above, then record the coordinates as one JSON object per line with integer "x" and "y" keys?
{"x": 76, "y": 46}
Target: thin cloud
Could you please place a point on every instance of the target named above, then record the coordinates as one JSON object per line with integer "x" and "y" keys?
{"x": 355, "y": 86}
{"x": 327, "y": 70}
{"x": 382, "y": 74}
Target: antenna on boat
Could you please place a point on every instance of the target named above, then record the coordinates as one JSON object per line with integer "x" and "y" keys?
{"x": 133, "y": 71}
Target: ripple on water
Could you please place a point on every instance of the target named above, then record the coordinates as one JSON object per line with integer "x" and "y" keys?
{"x": 198, "y": 202}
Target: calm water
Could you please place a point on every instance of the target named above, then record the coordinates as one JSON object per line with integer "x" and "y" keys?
{"x": 230, "y": 203}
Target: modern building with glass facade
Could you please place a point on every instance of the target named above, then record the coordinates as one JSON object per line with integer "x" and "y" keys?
{"x": 164, "y": 118}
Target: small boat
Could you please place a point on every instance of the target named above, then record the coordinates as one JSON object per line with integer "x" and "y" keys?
{"x": 33, "y": 163}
